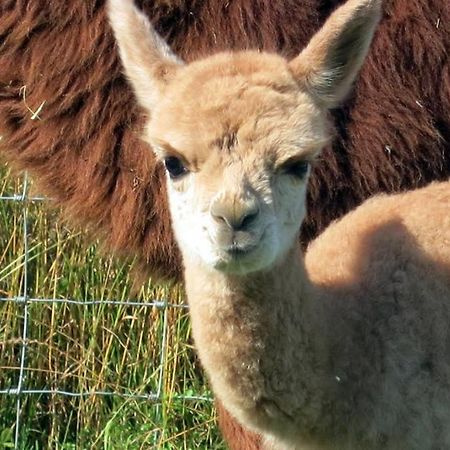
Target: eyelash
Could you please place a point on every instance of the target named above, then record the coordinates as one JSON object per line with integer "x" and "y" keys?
{"x": 175, "y": 167}
{"x": 299, "y": 169}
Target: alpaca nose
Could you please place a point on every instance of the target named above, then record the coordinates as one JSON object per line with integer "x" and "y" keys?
{"x": 239, "y": 215}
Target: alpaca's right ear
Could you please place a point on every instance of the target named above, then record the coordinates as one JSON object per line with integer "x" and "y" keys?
{"x": 148, "y": 61}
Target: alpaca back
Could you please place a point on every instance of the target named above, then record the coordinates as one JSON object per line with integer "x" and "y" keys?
{"x": 386, "y": 266}
{"x": 421, "y": 218}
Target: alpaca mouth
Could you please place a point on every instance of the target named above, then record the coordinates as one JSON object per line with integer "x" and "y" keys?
{"x": 243, "y": 246}
{"x": 241, "y": 255}
{"x": 236, "y": 250}
{"x": 237, "y": 258}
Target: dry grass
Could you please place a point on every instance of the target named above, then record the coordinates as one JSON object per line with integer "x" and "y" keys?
{"x": 86, "y": 348}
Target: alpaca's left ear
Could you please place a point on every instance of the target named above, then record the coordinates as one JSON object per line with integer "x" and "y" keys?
{"x": 148, "y": 61}
{"x": 329, "y": 64}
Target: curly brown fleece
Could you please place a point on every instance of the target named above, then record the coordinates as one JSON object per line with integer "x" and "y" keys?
{"x": 84, "y": 150}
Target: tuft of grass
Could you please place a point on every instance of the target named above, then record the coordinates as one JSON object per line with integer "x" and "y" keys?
{"x": 108, "y": 356}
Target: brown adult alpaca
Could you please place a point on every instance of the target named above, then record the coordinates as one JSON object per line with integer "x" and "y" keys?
{"x": 393, "y": 134}
{"x": 84, "y": 152}
{"x": 346, "y": 348}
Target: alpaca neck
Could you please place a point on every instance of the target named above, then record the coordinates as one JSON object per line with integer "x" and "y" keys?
{"x": 255, "y": 337}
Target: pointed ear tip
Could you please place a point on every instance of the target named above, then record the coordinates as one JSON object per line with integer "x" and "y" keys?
{"x": 120, "y": 2}
{"x": 120, "y": 12}
{"x": 110, "y": 4}
{"x": 370, "y": 8}
{"x": 374, "y": 6}
{"x": 113, "y": 6}
{"x": 369, "y": 4}
{"x": 366, "y": 12}
{"x": 119, "y": 5}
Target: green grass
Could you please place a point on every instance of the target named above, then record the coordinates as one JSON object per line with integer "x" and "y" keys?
{"x": 80, "y": 348}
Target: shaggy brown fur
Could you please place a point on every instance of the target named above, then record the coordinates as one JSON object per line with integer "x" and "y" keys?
{"x": 393, "y": 133}
{"x": 83, "y": 149}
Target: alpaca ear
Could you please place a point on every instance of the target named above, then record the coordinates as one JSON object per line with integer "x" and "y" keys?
{"x": 148, "y": 61}
{"x": 329, "y": 64}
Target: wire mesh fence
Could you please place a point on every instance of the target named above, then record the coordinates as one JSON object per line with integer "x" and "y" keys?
{"x": 71, "y": 340}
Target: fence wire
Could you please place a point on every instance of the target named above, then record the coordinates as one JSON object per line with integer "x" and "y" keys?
{"x": 23, "y": 300}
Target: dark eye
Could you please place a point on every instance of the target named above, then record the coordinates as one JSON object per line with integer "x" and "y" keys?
{"x": 296, "y": 168}
{"x": 174, "y": 167}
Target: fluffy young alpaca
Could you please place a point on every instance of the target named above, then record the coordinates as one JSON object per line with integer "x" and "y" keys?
{"x": 346, "y": 348}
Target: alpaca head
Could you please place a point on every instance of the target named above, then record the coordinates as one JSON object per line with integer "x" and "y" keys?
{"x": 237, "y": 132}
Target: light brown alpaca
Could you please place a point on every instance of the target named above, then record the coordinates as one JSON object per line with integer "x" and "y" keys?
{"x": 348, "y": 347}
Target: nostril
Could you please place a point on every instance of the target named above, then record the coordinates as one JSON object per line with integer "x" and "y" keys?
{"x": 219, "y": 218}
{"x": 248, "y": 219}
{"x": 230, "y": 221}
{"x": 237, "y": 223}
{"x": 235, "y": 216}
